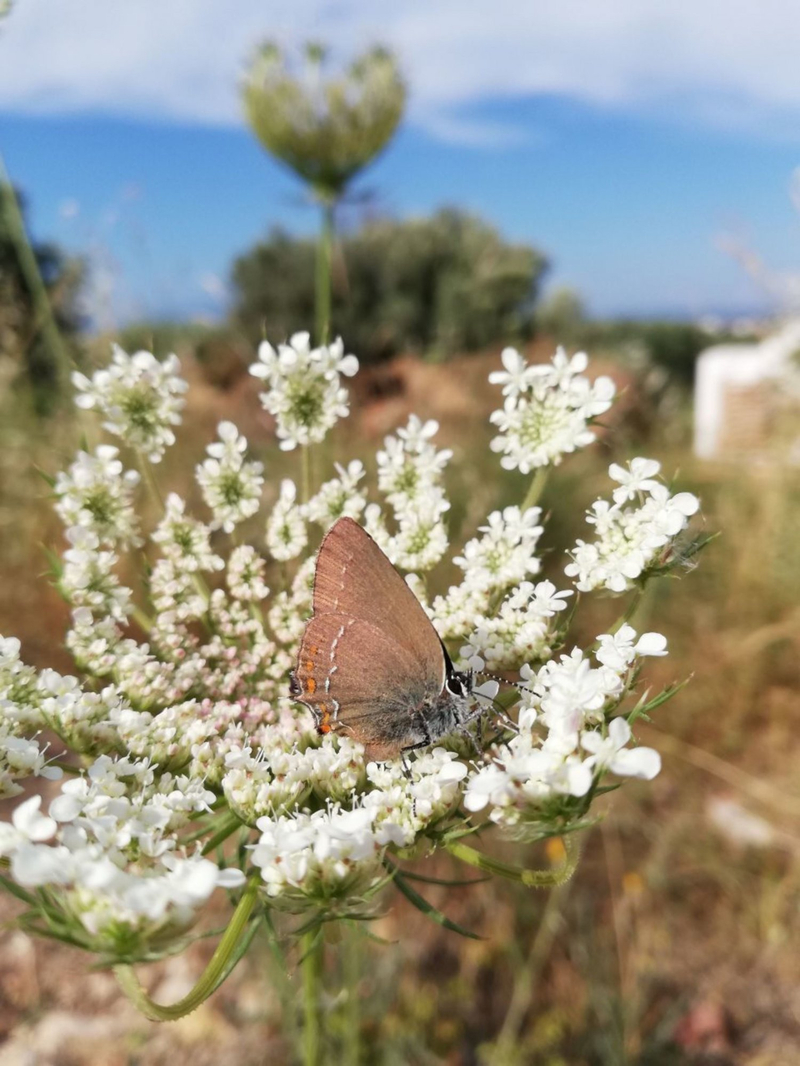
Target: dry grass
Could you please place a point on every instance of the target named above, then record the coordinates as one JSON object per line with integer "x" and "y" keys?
{"x": 675, "y": 943}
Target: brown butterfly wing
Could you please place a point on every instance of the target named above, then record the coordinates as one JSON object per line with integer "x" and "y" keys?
{"x": 354, "y": 577}
{"x": 358, "y": 682}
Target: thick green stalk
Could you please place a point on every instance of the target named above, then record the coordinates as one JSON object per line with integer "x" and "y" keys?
{"x": 43, "y": 310}
{"x": 212, "y": 975}
{"x": 312, "y": 946}
{"x": 322, "y": 293}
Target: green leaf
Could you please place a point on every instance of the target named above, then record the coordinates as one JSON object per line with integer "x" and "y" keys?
{"x": 644, "y": 707}
{"x": 15, "y": 890}
{"x": 440, "y": 881}
{"x": 427, "y": 908}
{"x": 51, "y": 481}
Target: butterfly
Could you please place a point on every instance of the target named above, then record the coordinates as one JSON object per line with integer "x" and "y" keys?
{"x": 371, "y": 665}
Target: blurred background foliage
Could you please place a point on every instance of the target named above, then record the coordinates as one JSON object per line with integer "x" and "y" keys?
{"x": 431, "y": 286}
{"x": 27, "y": 352}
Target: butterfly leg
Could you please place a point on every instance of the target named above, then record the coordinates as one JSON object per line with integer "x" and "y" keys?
{"x": 404, "y": 761}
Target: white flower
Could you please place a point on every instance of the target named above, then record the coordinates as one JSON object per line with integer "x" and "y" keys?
{"x": 88, "y": 578}
{"x": 618, "y": 650}
{"x": 520, "y": 630}
{"x": 404, "y": 805}
{"x": 184, "y": 540}
{"x": 639, "y": 477}
{"x": 338, "y": 497}
{"x": 326, "y": 855}
{"x": 246, "y": 570}
{"x": 21, "y": 757}
{"x": 28, "y": 825}
{"x": 611, "y": 753}
{"x": 506, "y": 553}
{"x": 286, "y": 529}
{"x": 629, "y": 539}
{"x": 139, "y": 397}
{"x": 269, "y": 782}
{"x": 305, "y": 393}
{"x": 547, "y": 409}
{"x": 409, "y": 465}
{"x": 231, "y": 486}
{"x": 97, "y": 493}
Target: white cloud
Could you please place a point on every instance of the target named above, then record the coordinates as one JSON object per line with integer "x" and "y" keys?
{"x": 698, "y": 60}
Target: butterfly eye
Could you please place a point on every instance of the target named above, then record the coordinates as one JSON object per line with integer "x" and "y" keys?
{"x": 455, "y": 686}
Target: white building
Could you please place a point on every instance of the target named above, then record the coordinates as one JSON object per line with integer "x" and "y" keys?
{"x": 747, "y": 398}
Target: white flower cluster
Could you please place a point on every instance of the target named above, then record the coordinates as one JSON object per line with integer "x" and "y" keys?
{"x": 21, "y": 755}
{"x": 547, "y": 410}
{"x": 336, "y": 852}
{"x": 96, "y": 493}
{"x": 182, "y": 709}
{"x": 276, "y": 778}
{"x": 566, "y": 712}
{"x": 629, "y": 539}
{"x": 139, "y": 398}
{"x": 286, "y": 528}
{"x": 231, "y": 485}
{"x": 521, "y": 630}
{"x": 501, "y": 629}
{"x": 109, "y": 852}
{"x": 304, "y": 390}
{"x": 338, "y": 498}
{"x": 410, "y": 471}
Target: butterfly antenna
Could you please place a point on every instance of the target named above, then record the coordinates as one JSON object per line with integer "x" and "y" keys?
{"x": 518, "y": 685}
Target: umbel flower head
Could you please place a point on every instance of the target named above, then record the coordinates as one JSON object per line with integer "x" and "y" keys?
{"x": 179, "y": 704}
{"x": 326, "y": 129}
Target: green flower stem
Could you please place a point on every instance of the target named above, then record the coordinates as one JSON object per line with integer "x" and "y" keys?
{"x": 322, "y": 294}
{"x": 352, "y": 1005}
{"x": 536, "y": 488}
{"x": 149, "y": 479}
{"x": 630, "y": 611}
{"x": 529, "y": 878}
{"x": 305, "y": 472}
{"x": 527, "y": 974}
{"x": 141, "y": 619}
{"x": 37, "y": 289}
{"x": 312, "y": 947}
{"x": 229, "y": 824}
{"x": 212, "y": 976}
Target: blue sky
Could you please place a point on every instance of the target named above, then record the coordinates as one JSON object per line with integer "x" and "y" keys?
{"x": 625, "y": 148}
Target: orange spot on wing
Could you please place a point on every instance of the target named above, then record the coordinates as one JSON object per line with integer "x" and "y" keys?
{"x": 310, "y": 665}
{"x": 311, "y": 686}
{"x": 324, "y": 726}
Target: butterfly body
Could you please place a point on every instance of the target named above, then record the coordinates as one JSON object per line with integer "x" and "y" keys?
{"x": 371, "y": 665}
